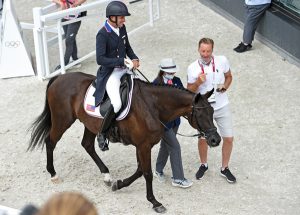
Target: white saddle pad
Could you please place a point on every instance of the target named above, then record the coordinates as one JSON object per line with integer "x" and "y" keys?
{"x": 89, "y": 103}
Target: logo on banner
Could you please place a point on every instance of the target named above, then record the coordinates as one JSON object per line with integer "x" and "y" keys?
{"x": 12, "y": 44}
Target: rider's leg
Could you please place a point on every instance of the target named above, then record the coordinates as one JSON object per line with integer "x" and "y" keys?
{"x": 112, "y": 89}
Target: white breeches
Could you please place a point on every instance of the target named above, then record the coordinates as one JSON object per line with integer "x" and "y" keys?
{"x": 113, "y": 88}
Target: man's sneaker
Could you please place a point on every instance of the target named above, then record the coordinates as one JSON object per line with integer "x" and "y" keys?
{"x": 160, "y": 176}
{"x": 57, "y": 68}
{"x": 242, "y": 47}
{"x": 228, "y": 175}
{"x": 185, "y": 183}
{"x": 201, "y": 171}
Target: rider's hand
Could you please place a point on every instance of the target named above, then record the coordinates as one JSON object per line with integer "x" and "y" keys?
{"x": 128, "y": 63}
{"x": 136, "y": 63}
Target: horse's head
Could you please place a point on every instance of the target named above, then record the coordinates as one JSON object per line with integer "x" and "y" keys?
{"x": 202, "y": 119}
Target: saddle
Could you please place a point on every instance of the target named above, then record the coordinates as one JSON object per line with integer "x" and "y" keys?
{"x": 125, "y": 86}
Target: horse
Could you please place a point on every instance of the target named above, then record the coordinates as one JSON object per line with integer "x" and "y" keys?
{"x": 151, "y": 107}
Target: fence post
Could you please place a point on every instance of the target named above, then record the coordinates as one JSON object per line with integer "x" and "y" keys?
{"x": 61, "y": 49}
{"x": 38, "y": 42}
{"x": 151, "y": 13}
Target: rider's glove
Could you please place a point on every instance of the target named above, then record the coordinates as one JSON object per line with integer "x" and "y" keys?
{"x": 128, "y": 63}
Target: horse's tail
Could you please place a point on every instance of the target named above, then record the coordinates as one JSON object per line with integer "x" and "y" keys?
{"x": 42, "y": 125}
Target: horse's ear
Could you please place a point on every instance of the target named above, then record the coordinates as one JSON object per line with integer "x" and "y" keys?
{"x": 196, "y": 98}
{"x": 208, "y": 94}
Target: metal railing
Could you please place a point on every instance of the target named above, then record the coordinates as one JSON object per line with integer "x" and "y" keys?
{"x": 42, "y": 16}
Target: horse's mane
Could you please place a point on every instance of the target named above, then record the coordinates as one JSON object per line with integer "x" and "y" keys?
{"x": 163, "y": 85}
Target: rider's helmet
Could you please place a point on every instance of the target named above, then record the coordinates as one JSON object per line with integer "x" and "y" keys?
{"x": 117, "y": 8}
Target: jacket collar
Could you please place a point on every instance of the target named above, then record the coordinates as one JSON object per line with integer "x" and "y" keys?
{"x": 107, "y": 27}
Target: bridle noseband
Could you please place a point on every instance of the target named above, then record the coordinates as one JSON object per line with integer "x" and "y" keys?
{"x": 202, "y": 133}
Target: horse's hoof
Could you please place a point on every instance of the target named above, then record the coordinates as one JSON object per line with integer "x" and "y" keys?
{"x": 160, "y": 209}
{"x": 107, "y": 179}
{"x": 114, "y": 186}
{"x": 55, "y": 179}
{"x": 107, "y": 183}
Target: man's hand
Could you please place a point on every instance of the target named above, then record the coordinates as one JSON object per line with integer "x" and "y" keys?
{"x": 221, "y": 88}
{"x": 201, "y": 78}
{"x": 194, "y": 86}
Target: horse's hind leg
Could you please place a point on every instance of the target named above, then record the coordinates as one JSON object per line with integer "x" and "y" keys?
{"x": 49, "y": 151}
{"x": 50, "y": 146}
{"x": 88, "y": 142}
{"x": 119, "y": 184}
{"x": 56, "y": 132}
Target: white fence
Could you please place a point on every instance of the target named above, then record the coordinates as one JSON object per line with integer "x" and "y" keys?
{"x": 44, "y": 15}
{"x": 13, "y": 49}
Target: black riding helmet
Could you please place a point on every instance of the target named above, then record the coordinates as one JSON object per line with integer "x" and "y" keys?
{"x": 116, "y": 8}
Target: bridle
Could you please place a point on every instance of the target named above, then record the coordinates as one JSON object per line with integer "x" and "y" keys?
{"x": 201, "y": 133}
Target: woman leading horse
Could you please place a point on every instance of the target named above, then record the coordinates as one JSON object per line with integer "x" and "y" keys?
{"x": 151, "y": 106}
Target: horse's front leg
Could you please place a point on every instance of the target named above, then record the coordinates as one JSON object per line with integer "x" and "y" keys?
{"x": 145, "y": 162}
{"x": 119, "y": 184}
{"x": 88, "y": 142}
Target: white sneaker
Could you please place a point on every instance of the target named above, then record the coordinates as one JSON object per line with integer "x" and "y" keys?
{"x": 185, "y": 183}
{"x": 160, "y": 176}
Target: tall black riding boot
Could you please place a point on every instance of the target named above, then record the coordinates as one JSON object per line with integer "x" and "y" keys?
{"x": 101, "y": 137}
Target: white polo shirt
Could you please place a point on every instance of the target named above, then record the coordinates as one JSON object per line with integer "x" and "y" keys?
{"x": 212, "y": 78}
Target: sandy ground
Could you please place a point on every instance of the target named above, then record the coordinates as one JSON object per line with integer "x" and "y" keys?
{"x": 265, "y": 104}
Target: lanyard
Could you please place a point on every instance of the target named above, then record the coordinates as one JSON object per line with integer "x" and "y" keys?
{"x": 212, "y": 63}
{"x": 213, "y": 67}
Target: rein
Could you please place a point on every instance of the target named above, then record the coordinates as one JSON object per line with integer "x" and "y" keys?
{"x": 200, "y": 134}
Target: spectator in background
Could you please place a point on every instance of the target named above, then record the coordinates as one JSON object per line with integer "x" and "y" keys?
{"x": 1, "y": 8}
{"x": 70, "y": 30}
{"x": 65, "y": 203}
{"x": 255, "y": 10}
{"x": 169, "y": 145}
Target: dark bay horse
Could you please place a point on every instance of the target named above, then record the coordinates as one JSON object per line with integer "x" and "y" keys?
{"x": 151, "y": 105}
